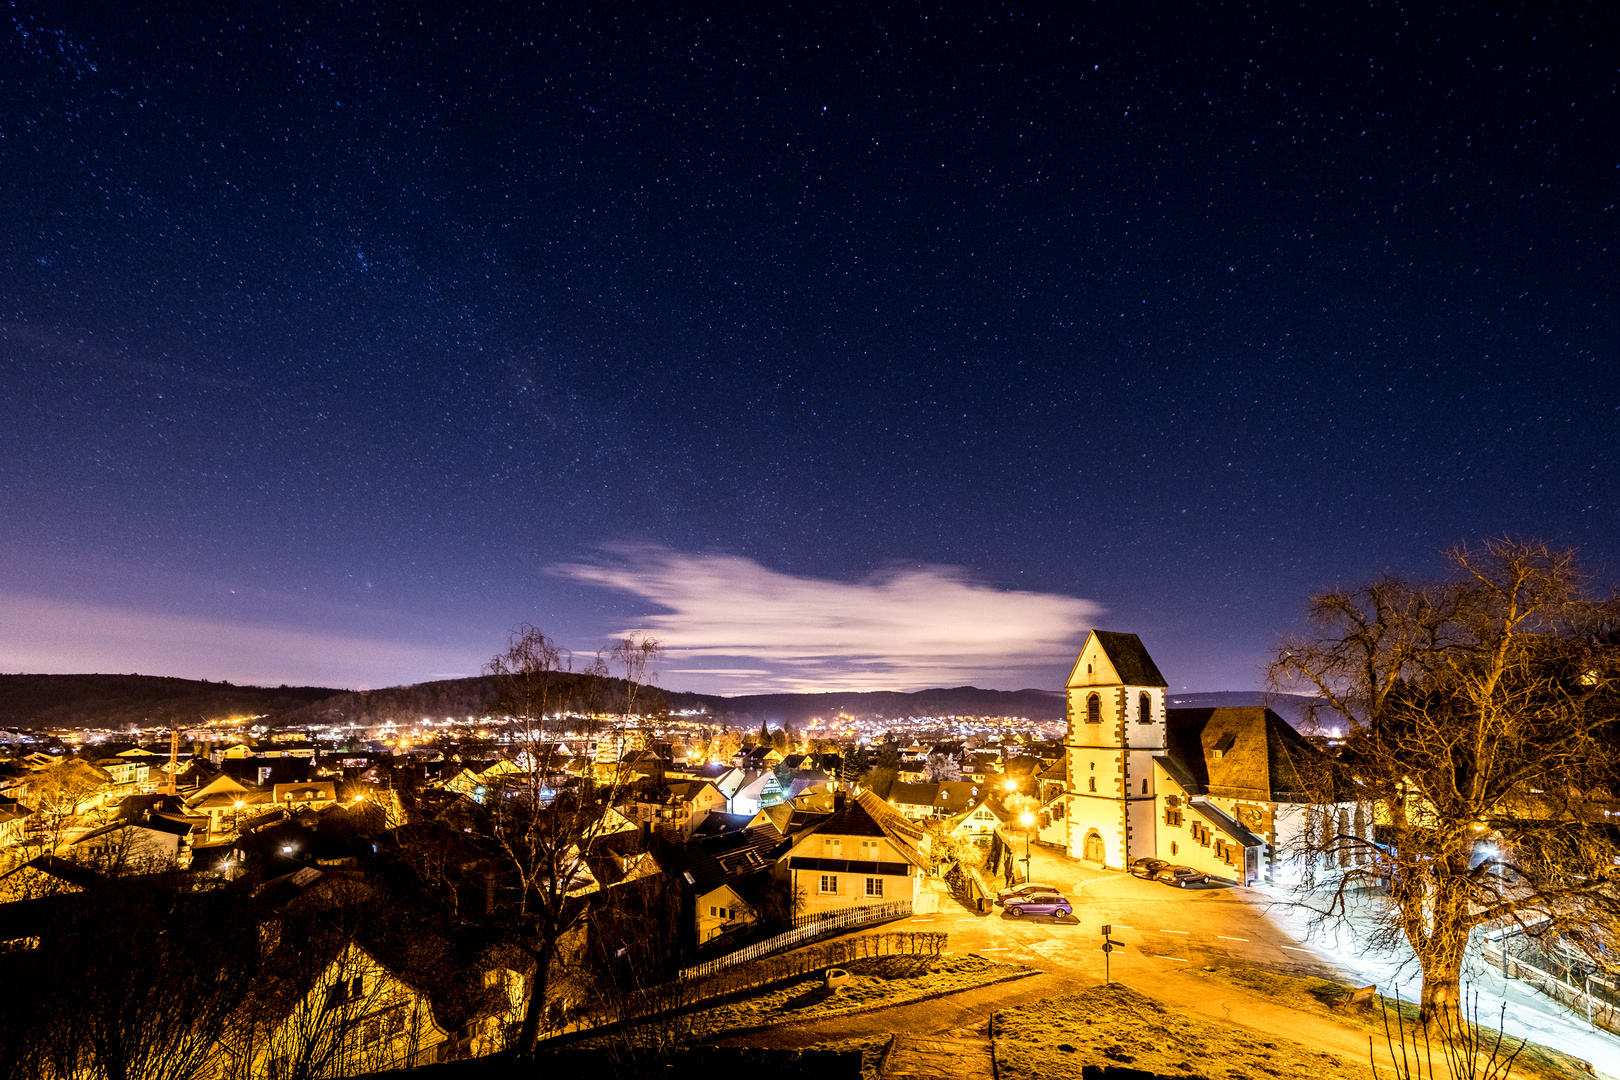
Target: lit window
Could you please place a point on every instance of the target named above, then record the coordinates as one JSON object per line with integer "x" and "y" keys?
{"x": 874, "y": 886}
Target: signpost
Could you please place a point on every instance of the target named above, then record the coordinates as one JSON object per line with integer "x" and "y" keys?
{"x": 1108, "y": 948}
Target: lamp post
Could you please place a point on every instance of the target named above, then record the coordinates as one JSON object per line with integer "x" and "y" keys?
{"x": 1026, "y": 819}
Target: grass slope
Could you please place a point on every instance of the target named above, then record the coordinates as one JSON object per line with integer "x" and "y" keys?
{"x": 1115, "y": 1025}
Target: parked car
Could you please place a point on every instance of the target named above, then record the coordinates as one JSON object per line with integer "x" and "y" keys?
{"x": 1147, "y": 868}
{"x": 1181, "y": 876}
{"x": 1040, "y": 903}
{"x": 1003, "y": 895}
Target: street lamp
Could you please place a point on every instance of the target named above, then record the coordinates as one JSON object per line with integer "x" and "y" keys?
{"x": 1026, "y": 819}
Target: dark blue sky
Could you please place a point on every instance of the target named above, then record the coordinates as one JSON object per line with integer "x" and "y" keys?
{"x": 837, "y": 350}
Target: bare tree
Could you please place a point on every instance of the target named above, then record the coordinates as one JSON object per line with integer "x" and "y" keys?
{"x": 635, "y": 654}
{"x": 543, "y": 830}
{"x": 1480, "y": 716}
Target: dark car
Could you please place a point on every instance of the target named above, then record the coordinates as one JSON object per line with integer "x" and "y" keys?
{"x": 1146, "y": 868}
{"x": 1041, "y": 903}
{"x": 1004, "y": 895}
{"x": 1181, "y": 876}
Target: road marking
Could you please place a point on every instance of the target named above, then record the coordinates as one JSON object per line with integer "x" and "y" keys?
{"x": 922, "y": 920}
{"x": 1183, "y": 932}
{"x": 1122, "y": 926}
{"x": 1161, "y": 956}
{"x": 1292, "y": 949}
{"x": 1223, "y": 937}
{"x": 993, "y": 950}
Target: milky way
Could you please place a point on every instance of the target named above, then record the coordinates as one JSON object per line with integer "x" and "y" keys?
{"x": 355, "y": 326}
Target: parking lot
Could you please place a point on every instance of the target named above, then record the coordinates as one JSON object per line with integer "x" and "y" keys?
{"x": 1158, "y": 927}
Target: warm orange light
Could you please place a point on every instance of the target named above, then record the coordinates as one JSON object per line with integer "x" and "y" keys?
{"x": 1027, "y": 818}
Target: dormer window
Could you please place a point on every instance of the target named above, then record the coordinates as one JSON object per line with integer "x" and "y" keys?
{"x": 1223, "y": 746}
{"x": 1093, "y": 709}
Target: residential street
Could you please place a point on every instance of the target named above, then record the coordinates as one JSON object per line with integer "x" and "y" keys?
{"x": 1169, "y": 936}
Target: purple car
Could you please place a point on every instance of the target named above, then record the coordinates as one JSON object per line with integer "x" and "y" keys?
{"x": 1039, "y": 904}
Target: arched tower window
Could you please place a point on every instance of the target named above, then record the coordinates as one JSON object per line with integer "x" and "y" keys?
{"x": 1144, "y": 709}
{"x": 1093, "y": 709}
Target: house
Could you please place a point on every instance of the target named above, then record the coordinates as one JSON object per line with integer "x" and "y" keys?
{"x": 914, "y": 801}
{"x": 353, "y": 1017}
{"x": 45, "y": 875}
{"x": 758, "y": 789}
{"x": 678, "y": 806}
{"x": 725, "y": 877}
{"x": 955, "y": 796}
{"x": 226, "y": 803}
{"x": 151, "y": 841}
{"x": 758, "y": 756}
{"x": 1216, "y": 789}
{"x": 978, "y": 822}
{"x": 863, "y": 853}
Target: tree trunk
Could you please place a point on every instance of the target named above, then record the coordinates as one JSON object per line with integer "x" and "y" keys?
{"x": 1440, "y": 952}
{"x": 540, "y": 985}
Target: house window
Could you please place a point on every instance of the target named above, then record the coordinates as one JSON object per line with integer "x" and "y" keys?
{"x": 869, "y": 849}
{"x": 1200, "y": 833}
{"x": 829, "y": 883}
{"x": 1144, "y": 709}
{"x": 1144, "y": 785}
{"x": 874, "y": 887}
{"x": 1093, "y": 709}
{"x": 1172, "y": 813}
{"x": 1093, "y": 783}
{"x": 1173, "y": 847}
{"x": 713, "y": 910}
{"x": 833, "y": 846}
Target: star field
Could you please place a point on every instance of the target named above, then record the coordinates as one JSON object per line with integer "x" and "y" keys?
{"x": 359, "y": 322}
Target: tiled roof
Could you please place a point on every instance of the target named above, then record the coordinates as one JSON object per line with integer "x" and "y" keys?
{"x": 1130, "y": 659}
{"x": 1238, "y": 753}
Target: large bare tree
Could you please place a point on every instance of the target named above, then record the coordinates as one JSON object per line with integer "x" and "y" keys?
{"x": 1480, "y": 722}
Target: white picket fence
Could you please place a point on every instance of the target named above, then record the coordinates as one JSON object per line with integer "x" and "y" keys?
{"x": 808, "y": 928}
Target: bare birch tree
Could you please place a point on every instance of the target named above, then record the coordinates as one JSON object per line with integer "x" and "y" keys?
{"x": 1480, "y": 719}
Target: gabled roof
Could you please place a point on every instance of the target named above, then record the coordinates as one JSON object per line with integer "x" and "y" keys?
{"x": 913, "y": 794}
{"x": 706, "y": 861}
{"x": 868, "y": 815}
{"x": 1130, "y": 659}
{"x": 1238, "y": 753}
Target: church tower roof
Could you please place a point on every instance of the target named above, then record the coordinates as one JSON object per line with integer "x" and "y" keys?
{"x": 1128, "y": 657}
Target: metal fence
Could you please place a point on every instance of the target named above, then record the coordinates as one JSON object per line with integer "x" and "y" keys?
{"x": 1598, "y": 1006}
{"x": 806, "y": 928}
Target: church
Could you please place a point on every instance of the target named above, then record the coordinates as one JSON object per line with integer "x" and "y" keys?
{"x": 1215, "y": 789}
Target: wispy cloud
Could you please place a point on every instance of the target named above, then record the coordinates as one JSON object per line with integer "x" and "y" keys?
{"x": 897, "y": 629}
{"x": 44, "y": 635}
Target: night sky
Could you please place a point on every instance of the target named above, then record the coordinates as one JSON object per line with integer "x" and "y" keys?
{"x": 881, "y": 350}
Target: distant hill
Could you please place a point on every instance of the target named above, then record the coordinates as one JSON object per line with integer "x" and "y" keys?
{"x": 460, "y": 698}
{"x": 120, "y": 700}
{"x": 113, "y": 701}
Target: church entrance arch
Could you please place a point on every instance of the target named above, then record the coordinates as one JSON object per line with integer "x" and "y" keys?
{"x": 1094, "y": 847}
